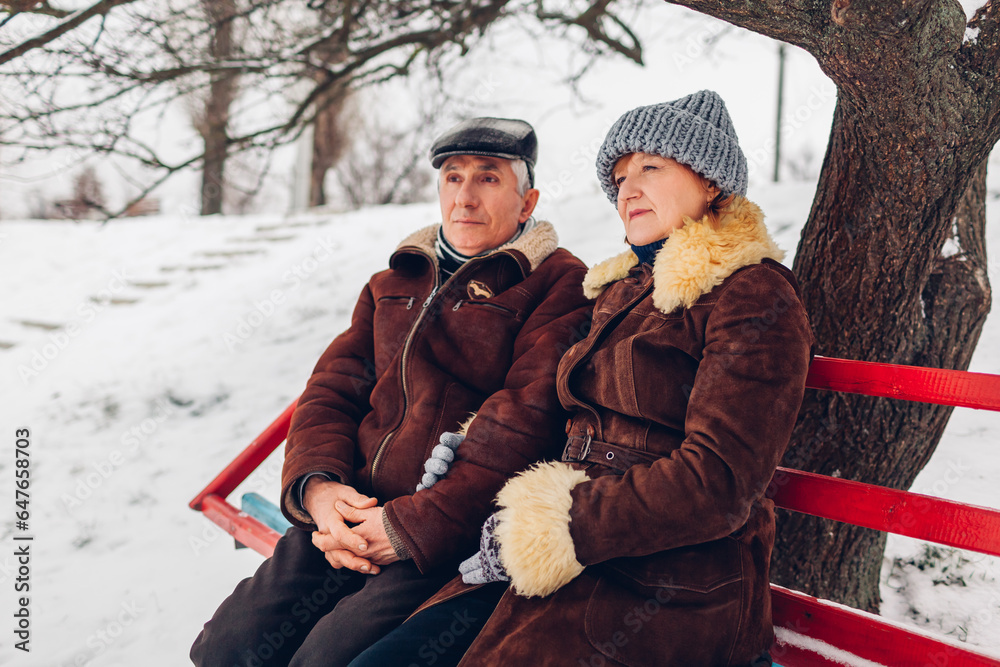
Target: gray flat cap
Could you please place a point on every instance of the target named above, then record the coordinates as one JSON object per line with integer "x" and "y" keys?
{"x": 494, "y": 137}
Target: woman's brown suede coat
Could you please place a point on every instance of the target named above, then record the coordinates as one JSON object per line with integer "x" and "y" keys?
{"x": 699, "y": 364}
{"x": 418, "y": 358}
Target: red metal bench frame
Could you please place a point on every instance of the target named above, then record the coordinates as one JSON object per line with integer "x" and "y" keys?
{"x": 924, "y": 517}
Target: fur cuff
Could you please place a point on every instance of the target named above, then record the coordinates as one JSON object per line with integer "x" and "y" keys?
{"x": 536, "y": 547}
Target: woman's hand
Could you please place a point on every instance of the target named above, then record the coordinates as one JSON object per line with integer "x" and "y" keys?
{"x": 439, "y": 463}
{"x": 485, "y": 566}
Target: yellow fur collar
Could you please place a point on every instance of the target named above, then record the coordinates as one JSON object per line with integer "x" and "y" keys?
{"x": 536, "y": 243}
{"x": 695, "y": 258}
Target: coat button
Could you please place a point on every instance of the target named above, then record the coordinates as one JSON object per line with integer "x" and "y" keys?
{"x": 630, "y": 281}
{"x": 569, "y": 426}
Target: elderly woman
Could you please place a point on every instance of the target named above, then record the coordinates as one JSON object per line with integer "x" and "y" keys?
{"x": 649, "y": 542}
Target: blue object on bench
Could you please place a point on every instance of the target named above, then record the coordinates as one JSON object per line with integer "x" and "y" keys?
{"x": 264, "y": 511}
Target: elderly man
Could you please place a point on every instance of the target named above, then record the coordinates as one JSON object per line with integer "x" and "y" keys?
{"x": 470, "y": 317}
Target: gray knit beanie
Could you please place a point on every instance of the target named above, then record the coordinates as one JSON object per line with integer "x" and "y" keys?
{"x": 695, "y": 130}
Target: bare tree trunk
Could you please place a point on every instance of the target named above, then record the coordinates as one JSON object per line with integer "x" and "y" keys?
{"x": 891, "y": 319}
{"x": 871, "y": 257}
{"x": 214, "y": 125}
{"x": 329, "y": 141}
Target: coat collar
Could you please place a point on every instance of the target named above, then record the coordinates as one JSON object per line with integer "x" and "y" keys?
{"x": 695, "y": 258}
{"x": 535, "y": 244}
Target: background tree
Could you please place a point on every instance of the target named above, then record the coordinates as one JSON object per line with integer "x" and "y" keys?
{"x": 329, "y": 141}
{"x": 918, "y": 111}
{"x": 295, "y": 58}
{"x": 88, "y": 195}
{"x": 212, "y": 119}
{"x": 383, "y": 164}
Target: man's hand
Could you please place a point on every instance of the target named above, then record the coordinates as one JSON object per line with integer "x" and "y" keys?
{"x": 379, "y": 550}
{"x": 343, "y": 547}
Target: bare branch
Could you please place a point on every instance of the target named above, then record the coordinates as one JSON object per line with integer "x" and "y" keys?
{"x": 799, "y": 22}
{"x": 73, "y": 21}
{"x": 41, "y": 7}
{"x": 165, "y": 175}
{"x": 289, "y": 56}
{"x": 591, "y": 21}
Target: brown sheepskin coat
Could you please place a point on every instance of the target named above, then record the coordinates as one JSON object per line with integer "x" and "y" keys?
{"x": 654, "y": 549}
{"x": 418, "y": 358}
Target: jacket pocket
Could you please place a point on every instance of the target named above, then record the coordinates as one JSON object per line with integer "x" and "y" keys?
{"x": 475, "y": 342}
{"x": 394, "y": 315}
{"x": 488, "y": 305}
{"x": 677, "y": 607}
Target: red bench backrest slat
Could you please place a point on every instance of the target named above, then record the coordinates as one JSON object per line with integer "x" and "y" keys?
{"x": 911, "y": 383}
{"x": 900, "y": 512}
{"x": 864, "y": 635}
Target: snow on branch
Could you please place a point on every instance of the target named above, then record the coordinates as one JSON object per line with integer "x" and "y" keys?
{"x": 42, "y": 7}
{"x": 982, "y": 40}
{"x": 592, "y": 20}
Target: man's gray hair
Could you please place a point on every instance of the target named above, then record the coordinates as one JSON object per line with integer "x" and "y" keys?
{"x": 521, "y": 172}
{"x": 520, "y": 168}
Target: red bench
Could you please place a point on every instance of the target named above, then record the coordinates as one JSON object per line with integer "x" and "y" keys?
{"x": 810, "y": 631}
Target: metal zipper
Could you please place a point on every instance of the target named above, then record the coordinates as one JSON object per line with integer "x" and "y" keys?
{"x": 402, "y": 375}
{"x": 409, "y": 339}
{"x": 430, "y": 297}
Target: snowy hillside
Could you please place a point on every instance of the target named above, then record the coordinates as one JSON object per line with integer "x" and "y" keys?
{"x": 144, "y": 355}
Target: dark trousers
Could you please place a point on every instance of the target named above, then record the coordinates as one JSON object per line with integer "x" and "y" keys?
{"x": 438, "y": 635}
{"x": 297, "y": 610}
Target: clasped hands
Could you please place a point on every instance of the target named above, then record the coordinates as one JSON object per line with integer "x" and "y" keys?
{"x": 362, "y": 547}
{"x": 366, "y": 546}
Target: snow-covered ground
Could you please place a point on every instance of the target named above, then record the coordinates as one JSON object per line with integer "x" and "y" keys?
{"x": 143, "y": 355}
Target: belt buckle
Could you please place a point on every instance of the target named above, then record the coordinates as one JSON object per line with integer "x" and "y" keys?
{"x": 583, "y": 453}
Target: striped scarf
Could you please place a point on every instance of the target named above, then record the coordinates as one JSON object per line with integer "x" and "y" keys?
{"x": 449, "y": 259}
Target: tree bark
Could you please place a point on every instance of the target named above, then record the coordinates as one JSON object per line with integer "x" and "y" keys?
{"x": 877, "y": 440}
{"x": 892, "y": 261}
{"x": 214, "y": 126}
{"x": 329, "y": 142}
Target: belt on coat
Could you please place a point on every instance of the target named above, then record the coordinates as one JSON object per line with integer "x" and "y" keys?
{"x": 584, "y": 448}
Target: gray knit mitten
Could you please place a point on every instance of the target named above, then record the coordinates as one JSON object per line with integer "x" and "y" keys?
{"x": 485, "y": 566}
{"x": 442, "y": 455}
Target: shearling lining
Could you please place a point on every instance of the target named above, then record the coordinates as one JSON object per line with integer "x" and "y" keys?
{"x": 536, "y": 243}
{"x": 695, "y": 258}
